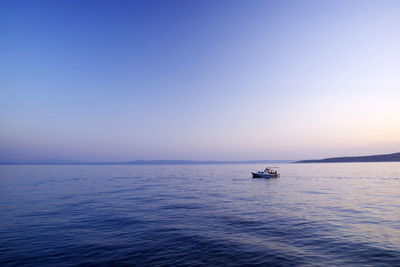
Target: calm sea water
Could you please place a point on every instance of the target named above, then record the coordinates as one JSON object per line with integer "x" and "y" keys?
{"x": 315, "y": 214}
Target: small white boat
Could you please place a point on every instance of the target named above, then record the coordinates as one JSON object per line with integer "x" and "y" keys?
{"x": 269, "y": 172}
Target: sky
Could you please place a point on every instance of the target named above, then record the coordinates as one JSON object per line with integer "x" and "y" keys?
{"x": 198, "y": 80}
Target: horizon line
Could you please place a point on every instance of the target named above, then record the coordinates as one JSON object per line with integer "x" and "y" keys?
{"x": 142, "y": 162}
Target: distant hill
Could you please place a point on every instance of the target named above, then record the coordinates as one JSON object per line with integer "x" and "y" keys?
{"x": 145, "y": 162}
{"x": 372, "y": 158}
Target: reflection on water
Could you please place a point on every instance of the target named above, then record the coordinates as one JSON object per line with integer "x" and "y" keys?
{"x": 319, "y": 214}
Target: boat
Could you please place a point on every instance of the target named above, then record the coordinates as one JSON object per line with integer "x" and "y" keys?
{"x": 269, "y": 172}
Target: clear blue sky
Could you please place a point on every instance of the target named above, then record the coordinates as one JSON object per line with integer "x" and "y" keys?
{"x": 220, "y": 80}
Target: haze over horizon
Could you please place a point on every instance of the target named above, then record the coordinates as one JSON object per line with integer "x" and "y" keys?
{"x": 198, "y": 80}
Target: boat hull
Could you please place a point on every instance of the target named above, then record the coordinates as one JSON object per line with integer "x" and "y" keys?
{"x": 262, "y": 175}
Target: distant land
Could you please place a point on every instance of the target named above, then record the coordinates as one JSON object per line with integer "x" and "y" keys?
{"x": 372, "y": 158}
{"x": 143, "y": 162}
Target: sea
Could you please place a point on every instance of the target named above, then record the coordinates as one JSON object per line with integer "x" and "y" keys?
{"x": 334, "y": 214}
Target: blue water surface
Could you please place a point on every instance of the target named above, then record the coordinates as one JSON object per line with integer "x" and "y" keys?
{"x": 207, "y": 215}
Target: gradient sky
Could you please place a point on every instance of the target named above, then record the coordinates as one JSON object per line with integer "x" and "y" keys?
{"x": 198, "y": 80}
